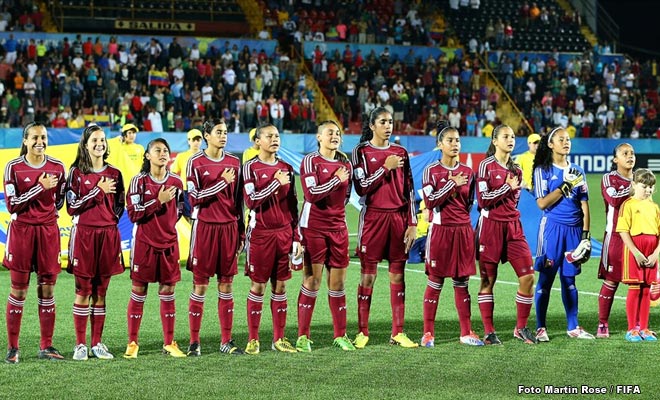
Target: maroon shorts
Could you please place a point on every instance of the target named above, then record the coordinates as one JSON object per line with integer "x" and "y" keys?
{"x": 611, "y": 258}
{"x": 634, "y": 274}
{"x": 380, "y": 238}
{"x": 95, "y": 251}
{"x": 450, "y": 251}
{"x": 21, "y": 280}
{"x": 33, "y": 248}
{"x": 329, "y": 248}
{"x": 151, "y": 264}
{"x": 499, "y": 241}
{"x": 268, "y": 254}
{"x": 213, "y": 250}
{"x": 97, "y": 285}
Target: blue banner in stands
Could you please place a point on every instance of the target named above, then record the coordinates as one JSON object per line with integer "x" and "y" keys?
{"x": 203, "y": 43}
{"x": 494, "y": 57}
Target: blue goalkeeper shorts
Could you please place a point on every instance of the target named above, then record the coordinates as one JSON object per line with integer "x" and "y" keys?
{"x": 554, "y": 241}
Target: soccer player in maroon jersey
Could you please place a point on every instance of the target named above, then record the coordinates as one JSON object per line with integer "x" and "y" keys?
{"x": 383, "y": 178}
{"x": 270, "y": 194}
{"x": 215, "y": 188}
{"x": 615, "y": 187}
{"x": 95, "y": 200}
{"x": 154, "y": 203}
{"x": 500, "y": 235}
{"x": 325, "y": 175}
{"x": 34, "y": 190}
{"x": 448, "y": 189}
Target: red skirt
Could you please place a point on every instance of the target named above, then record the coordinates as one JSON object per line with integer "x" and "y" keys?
{"x": 633, "y": 273}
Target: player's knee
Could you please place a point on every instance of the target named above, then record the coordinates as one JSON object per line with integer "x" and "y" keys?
{"x": 200, "y": 290}
{"x": 19, "y": 291}
{"x": 367, "y": 280}
{"x": 258, "y": 288}
{"x": 526, "y": 282}
{"x": 396, "y": 279}
{"x": 279, "y": 287}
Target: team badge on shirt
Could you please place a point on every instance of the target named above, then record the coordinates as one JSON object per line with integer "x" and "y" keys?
{"x": 135, "y": 198}
{"x": 483, "y": 186}
{"x": 310, "y": 181}
{"x": 249, "y": 188}
{"x": 11, "y": 190}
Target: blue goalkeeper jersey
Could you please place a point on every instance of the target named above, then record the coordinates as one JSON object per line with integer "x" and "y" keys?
{"x": 568, "y": 210}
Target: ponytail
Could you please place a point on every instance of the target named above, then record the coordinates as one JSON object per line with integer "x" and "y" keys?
{"x": 339, "y": 155}
{"x": 146, "y": 164}
{"x": 367, "y": 133}
{"x": 510, "y": 165}
{"x": 543, "y": 157}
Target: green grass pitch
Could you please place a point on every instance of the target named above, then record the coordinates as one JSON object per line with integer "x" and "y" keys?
{"x": 449, "y": 370}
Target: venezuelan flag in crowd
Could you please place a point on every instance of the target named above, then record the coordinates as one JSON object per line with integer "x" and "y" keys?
{"x": 159, "y": 78}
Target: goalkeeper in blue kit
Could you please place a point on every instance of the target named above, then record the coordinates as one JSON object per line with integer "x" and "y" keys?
{"x": 564, "y": 239}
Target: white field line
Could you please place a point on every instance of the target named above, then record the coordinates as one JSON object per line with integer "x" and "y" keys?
{"x": 476, "y": 278}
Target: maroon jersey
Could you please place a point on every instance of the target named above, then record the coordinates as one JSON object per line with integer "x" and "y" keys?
{"x": 615, "y": 189}
{"x": 212, "y": 198}
{"x": 272, "y": 206}
{"x": 448, "y": 204}
{"x": 27, "y": 200}
{"x": 88, "y": 204}
{"x": 155, "y": 222}
{"x": 379, "y": 188}
{"x": 325, "y": 194}
{"x": 495, "y": 197}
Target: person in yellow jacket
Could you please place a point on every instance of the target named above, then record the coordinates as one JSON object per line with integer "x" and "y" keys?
{"x": 416, "y": 253}
{"x": 125, "y": 154}
{"x": 253, "y": 150}
{"x": 526, "y": 159}
{"x": 179, "y": 166}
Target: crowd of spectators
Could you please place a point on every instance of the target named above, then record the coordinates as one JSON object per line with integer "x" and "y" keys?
{"x": 160, "y": 87}
{"x": 20, "y": 15}
{"x": 172, "y": 88}
{"x": 589, "y": 97}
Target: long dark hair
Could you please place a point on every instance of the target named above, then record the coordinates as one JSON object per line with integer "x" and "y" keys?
{"x": 146, "y": 164}
{"x": 339, "y": 155}
{"x": 442, "y": 127}
{"x": 257, "y": 133}
{"x": 83, "y": 160}
{"x": 26, "y": 132}
{"x": 510, "y": 165}
{"x": 367, "y": 133}
{"x": 209, "y": 124}
{"x": 543, "y": 157}
{"x": 613, "y": 166}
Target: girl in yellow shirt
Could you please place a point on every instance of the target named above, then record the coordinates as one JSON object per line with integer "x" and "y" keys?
{"x": 639, "y": 227}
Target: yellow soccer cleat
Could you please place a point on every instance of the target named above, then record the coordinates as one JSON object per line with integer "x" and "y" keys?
{"x": 131, "y": 350}
{"x": 401, "y": 339}
{"x": 173, "y": 350}
{"x": 252, "y": 347}
{"x": 361, "y": 341}
{"x": 283, "y": 346}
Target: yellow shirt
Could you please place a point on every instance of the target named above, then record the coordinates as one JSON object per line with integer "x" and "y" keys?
{"x": 526, "y": 162}
{"x": 179, "y": 165}
{"x": 249, "y": 154}
{"x": 487, "y": 130}
{"x": 639, "y": 217}
{"x": 422, "y": 225}
{"x": 126, "y": 157}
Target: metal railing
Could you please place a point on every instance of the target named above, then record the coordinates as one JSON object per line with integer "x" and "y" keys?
{"x": 505, "y": 94}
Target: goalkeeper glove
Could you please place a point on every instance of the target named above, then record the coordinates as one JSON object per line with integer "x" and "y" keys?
{"x": 572, "y": 179}
{"x": 582, "y": 252}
